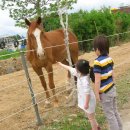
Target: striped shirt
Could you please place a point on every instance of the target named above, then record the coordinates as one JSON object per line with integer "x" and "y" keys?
{"x": 104, "y": 66}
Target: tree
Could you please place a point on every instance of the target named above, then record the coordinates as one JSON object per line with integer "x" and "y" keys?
{"x": 19, "y": 9}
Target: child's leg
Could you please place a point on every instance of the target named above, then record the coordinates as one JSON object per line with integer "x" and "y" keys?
{"x": 117, "y": 114}
{"x": 109, "y": 107}
{"x": 110, "y": 114}
{"x": 92, "y": 121}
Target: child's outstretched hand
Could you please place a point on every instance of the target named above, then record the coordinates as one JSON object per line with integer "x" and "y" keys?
{"x": 64, "y": 66}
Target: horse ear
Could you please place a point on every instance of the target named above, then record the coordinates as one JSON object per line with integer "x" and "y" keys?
{"x": 39, "y": 20}
{"x": 27, "y": 22}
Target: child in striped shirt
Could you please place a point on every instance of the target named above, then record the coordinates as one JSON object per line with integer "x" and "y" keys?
{"x": 105, "y": 89}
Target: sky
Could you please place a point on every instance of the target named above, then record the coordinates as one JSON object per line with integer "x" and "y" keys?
{"x": 7, "y": 24}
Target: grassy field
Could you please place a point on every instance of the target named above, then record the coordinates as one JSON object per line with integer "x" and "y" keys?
{"x": 80, "y": 122}
{"x": 5, "y": 54}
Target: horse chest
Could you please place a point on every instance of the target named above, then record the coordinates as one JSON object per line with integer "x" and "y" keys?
{"x": 39, "y": 62}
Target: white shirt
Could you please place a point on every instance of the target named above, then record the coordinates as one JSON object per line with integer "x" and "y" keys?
{"x": 84, "y": 88}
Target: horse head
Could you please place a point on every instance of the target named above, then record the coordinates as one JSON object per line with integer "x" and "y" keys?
{"x": 35, "y": 32}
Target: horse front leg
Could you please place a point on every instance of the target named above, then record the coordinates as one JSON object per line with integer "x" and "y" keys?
{"x": 51, "y": 82}
{"x": 39, "y": 72}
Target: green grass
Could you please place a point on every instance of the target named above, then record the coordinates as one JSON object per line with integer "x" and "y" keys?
{"x": 78, "y": 123}
{"x": 81, "y": 122}
{"x": 4, "y": 54}
{"x": 123, "y": 88}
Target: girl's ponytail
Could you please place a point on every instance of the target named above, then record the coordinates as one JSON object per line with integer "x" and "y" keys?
{"x": 92, "y": 76}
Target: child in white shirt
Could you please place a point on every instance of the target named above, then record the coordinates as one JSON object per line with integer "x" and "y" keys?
{"x": 86, "y": 97}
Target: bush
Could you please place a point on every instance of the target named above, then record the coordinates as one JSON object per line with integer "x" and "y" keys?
{"x": 86, "y": 25}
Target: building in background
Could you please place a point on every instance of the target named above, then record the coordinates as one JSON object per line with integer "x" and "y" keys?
{"x": 12, "y": 43}
{"x": 124, "y": 9}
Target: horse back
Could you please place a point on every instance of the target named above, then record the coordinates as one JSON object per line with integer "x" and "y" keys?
{"x": 56, "y": 40}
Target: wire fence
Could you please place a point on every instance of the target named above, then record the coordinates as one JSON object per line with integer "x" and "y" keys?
{"x": 29, "y": 107}
{"x": 116, "y": 34}
{"x": 56, "y": 71}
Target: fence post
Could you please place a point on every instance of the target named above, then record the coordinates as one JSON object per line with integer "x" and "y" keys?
{"x": 118, "y": 39}
{"x": 38, "y": 119}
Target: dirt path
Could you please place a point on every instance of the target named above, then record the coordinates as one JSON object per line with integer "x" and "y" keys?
{"x": 14, "y": 93}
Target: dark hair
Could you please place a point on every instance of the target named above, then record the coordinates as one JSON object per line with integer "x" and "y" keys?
{"x": 102, "y": 44}
{"x": 83, "y": 67}
{"x": 92, "y": 76}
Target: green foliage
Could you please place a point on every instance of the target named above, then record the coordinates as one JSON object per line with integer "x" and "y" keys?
{"x": 75, "y": 123}
{"x": 122, "y": 23}
{"x": 5, "y": 54}
{"x": 51, "y": 22}
{"x": 21, "y": 9}
{"x": 86, "y": 25}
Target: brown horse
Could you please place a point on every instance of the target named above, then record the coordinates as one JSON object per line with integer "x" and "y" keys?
{"x": 48, "y": 47}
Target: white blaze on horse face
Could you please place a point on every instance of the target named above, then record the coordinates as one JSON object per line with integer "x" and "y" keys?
{"x": 40, "y": 50}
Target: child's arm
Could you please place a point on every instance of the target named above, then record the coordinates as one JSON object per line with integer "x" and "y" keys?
{"x": 69, "y": 68}
{"x": 64, "y": 66}
{"x": 87, "y": 90}
{"x": 87, "y": 101}
{"x": 97, "y": 85}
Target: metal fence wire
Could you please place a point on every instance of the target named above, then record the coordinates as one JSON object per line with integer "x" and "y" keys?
{"x": 18, "y": 112}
